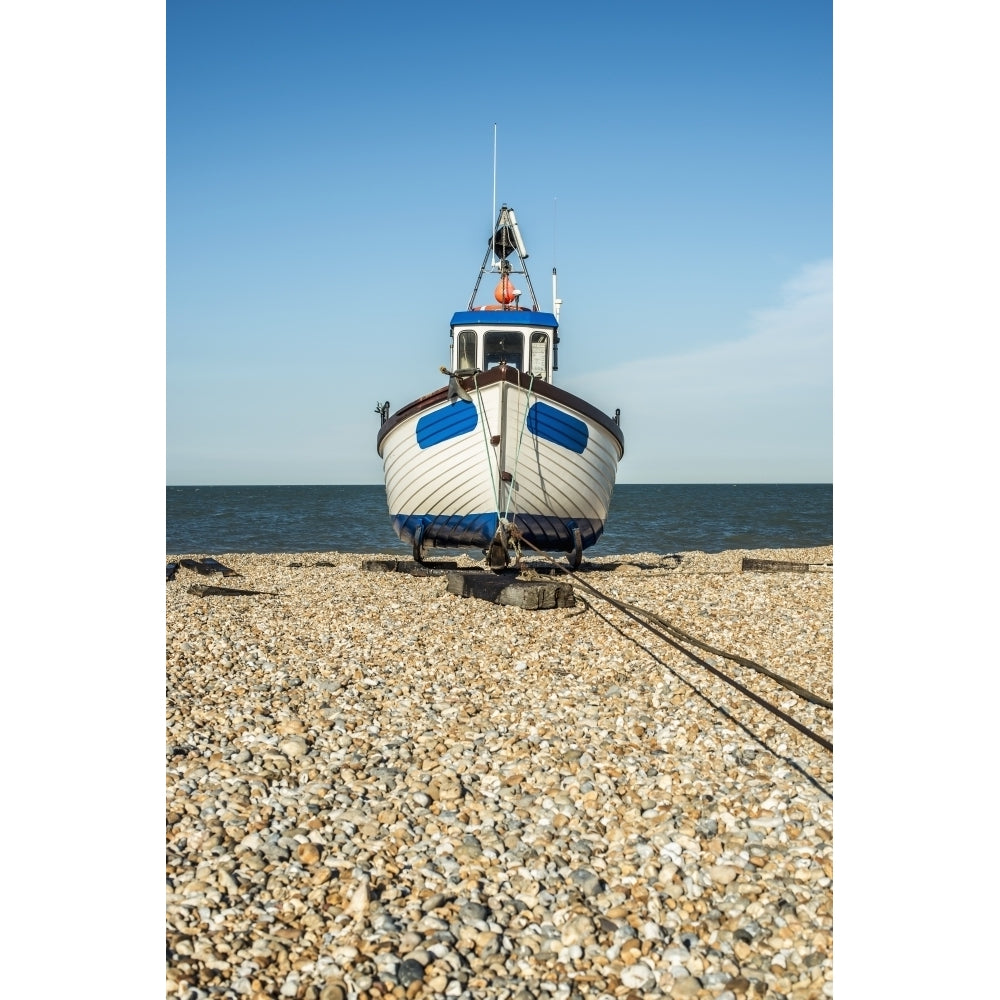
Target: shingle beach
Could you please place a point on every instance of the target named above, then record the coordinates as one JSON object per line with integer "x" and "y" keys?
{"x": 376, "y": 788}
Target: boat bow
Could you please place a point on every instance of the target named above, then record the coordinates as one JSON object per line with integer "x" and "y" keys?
{"x": 499, "y": 454}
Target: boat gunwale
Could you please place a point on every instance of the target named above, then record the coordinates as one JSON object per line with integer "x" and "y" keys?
{"x": 505, "y": 373}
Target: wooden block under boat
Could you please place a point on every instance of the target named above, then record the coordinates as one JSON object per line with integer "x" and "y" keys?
{"x": 532, "y": 595}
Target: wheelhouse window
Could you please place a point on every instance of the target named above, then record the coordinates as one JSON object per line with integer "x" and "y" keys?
{"x": 467, "y": 351}
{"x": 538, "y": 358}
{"x": 504, "y": 346}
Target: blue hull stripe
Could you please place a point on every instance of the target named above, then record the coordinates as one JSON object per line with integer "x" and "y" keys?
{"x": 560, "y": 428}
{"x": 448, "y": 422}
{"x": 550, "y": 534}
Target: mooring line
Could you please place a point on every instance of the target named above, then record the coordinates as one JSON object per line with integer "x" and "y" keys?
{"x": 804, "y": 693}
{"x": 640, "y": 616}
{"x": 520, "y": 439}
{"x": 494, "y": 482}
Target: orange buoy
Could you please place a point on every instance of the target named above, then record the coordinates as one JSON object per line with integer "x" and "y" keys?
{"x": 505, "y": 292}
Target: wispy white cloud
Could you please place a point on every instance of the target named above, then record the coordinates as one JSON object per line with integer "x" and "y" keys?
{"x": 753, "y": 408}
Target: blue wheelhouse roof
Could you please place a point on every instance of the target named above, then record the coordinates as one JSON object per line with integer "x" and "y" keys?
{"x": 504, "y": 317}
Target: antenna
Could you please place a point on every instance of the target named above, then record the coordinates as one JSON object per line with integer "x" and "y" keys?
{"x": 493, "y": 215}
{"x": 556, "y": 301}
{"x": 555, "y": 206}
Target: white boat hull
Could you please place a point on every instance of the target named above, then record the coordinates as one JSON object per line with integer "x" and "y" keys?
{"x": 516, "y": 450}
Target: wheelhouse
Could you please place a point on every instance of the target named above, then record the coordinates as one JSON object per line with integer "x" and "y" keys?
{"x": 521, "y": 339}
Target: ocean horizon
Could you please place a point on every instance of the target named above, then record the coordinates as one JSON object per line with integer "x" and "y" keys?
{"x": 661, "y": 518}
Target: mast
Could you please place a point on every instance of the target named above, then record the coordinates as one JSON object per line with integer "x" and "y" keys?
{"x": 493, "y": 213}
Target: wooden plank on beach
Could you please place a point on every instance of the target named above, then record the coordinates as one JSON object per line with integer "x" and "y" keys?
{"x": 532, "y": 595}
{"x": 204, "y": 590}
{"x": 408, "y": 566}
{"x": 207, "y": 566}
{"x": 214, "y": 566}
{"x": 773, "y": 566}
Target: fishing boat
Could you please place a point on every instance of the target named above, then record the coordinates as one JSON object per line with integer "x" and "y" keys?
{"x": 499, "y": 457}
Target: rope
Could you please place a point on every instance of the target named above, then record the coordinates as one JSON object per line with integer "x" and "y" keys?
{"x": 802, "y": 692}
{"x": 639, "y": 615}
{"x": 494, "y": 482}
{"x": 502, "y": 518}
{"x": 516, "y": 535}
{"x": 520, "y": 439}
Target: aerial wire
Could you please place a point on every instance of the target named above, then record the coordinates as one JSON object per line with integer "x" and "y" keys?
{"x": 493, "y": 216}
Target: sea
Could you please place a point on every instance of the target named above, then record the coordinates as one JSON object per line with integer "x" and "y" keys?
{"x": 209, "y": 520}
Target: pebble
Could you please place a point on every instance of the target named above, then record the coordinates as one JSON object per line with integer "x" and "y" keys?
{"x": 638, "y": 977}
{"x": 376, "y": 788}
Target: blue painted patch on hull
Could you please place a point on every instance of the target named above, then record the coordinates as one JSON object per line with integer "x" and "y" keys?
{"x": 555, "y": 534}
{"x": 447, "y": 531}
{"x": 550, "y": 534}
{"x": 448, "y": 422}
{"x": 558, "y": 427}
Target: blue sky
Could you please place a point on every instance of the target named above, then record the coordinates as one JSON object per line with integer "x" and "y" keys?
{"x": 329, "y": 193}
